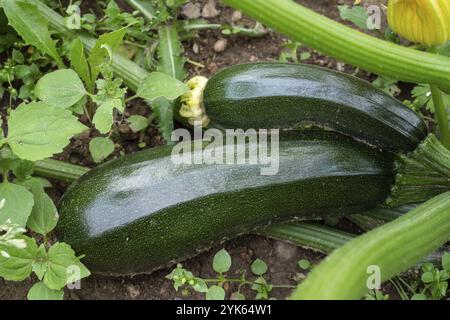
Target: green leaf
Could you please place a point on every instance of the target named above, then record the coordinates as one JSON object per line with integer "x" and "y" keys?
{"x": 304, "y": 264}
{"x": 427, "y": 277}
{"x": 200, "y": 285}
{"x": 61, "y": 258}
{"x": 446, "y": 261}
{"x": 79, "y": 63}
{"x": 39, "y": 291}
{"x": 23, "y": 169}
{"x": 26, "y": 19}
{"x": 100, "y": 148}
{"x": 163, "y": 111}
{"x": 237, "y": 296}
{"x": 259, "y": 267}
{"x": 171, "y": 61}
{"x": 18, "y": 204}
{"x": 38, "y": 131}
{"x": 44, "y": 215}
{"x": 16, "y": 258}
{"x": 357, "y": 14}
{"x": 159, "y": 85}
{"x": 98, "y": 54}
{"x": 40, "y": 262}
{"x": 103, "y": 118}
{"x": 137, "y": 123}
{"x": 215, "y": 293}
{"x": 419, "y": 296}
{"x": 222, "y": 261}
{"x": 9, "y": 161}
{"x": 62, "y": 88}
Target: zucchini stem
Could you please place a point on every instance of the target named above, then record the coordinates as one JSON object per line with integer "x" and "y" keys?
{"x": 421, "y": 174}
{"x": 59, "y": 170}
{"x": 347, "y": 44}
{"x": 390, "y": 249}
{"x": 441, "y": 115}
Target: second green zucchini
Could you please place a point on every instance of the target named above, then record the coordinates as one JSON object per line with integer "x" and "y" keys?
{"x": 142, "y": 211}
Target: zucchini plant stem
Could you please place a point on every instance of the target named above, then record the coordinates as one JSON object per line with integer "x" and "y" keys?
{"x": 390, "y": 249}
{"x": 441, "y": 115}
{"x": 347, "y": 44}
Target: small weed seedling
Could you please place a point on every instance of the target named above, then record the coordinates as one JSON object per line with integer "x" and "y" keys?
{"x": 213, "y": 288}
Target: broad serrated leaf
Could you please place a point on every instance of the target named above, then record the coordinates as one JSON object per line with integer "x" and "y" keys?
{"x": 137, "y": 123}
{"x": 171, "y": 61}
{"x": 103, "y": 118}
{"x": 159, "y": 85}
{"x": 16, "y": 260}
{"x": 100, "y": 148}
{"x": 17, "y": 204}
{"x": 44, "y": 216}
{"x": 39, "y": 291}
{"x": 29, "y": 23}
{"x": 78, "y": 62}
{"x": 62, "y": 88}
{"x": 61, "y": 260}
{"x": 98, "y": 53}
{"x": 37, "y": 131}
{"x": 163, "y": 110}
{"x": 356, "y": 14}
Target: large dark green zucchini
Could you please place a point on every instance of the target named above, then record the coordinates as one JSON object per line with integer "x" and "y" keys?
{"x": 141, "y": 212}
{"x": 274, "y": 95}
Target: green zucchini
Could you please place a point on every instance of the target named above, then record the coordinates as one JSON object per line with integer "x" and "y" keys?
{"x": 142, "y": 212}
{"x": 286, "y": 96}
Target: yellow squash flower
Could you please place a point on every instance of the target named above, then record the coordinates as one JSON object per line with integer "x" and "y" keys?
{"x": 421, "y": 21}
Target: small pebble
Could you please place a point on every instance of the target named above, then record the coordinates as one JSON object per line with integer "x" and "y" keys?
{"x": 210, "y": 10}
{"x": 285, "y": 251}
{"x": 236, "y": 16}
{"x": 133, "y": 291}
{"x": 191, "y": 10}
{"x": 195, "y": 48}
{"x": 220, "y": 45}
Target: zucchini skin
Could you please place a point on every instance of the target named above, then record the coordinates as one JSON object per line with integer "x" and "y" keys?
{"x": 141, "y": 212}
{"x": 285, "y": 96}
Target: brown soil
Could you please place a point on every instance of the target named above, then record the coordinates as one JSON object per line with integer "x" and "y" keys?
{"x": 280, "y": 257}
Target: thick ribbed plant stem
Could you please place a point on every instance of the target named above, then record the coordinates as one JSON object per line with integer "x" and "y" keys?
{"x": 382, "y": 252}
{"x": 346, "y": 44}
{"x": 421, "y": 174}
